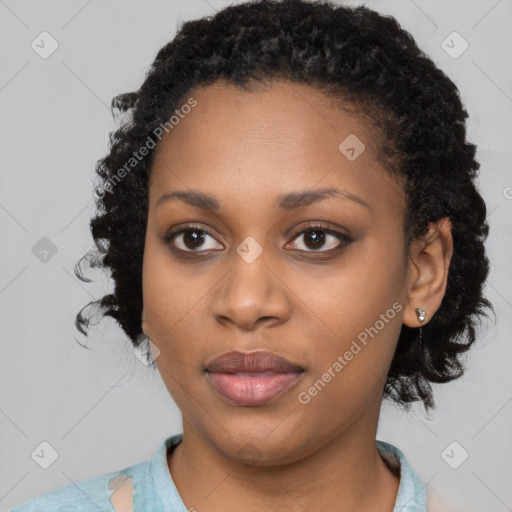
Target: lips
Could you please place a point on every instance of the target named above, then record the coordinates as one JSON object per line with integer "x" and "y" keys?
{"x": 251, "y": 378}
{"x": 252, "y": 362}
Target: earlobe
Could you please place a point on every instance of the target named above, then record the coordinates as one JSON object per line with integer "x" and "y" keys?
{"x": 429, "y": 261}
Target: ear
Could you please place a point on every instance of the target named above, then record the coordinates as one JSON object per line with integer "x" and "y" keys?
{"x": 429, "y": 259}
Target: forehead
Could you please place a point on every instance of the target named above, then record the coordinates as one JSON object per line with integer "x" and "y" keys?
{"x": 276, "y": 138}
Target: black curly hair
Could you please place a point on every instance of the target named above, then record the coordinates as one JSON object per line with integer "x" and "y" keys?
{"x": 355, "y": 55}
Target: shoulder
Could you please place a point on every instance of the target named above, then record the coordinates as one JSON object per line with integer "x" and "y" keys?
{"x": 109, "y": 492}
{"x": 84, "y": 496}
{"x": 412, "y": 495}
{"x": 412, "y": 492}
{"x": 77, "y": 497}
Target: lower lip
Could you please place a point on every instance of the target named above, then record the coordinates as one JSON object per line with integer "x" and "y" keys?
{"x": 244, "y": 389}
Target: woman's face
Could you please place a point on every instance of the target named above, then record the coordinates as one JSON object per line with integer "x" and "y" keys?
{"x": 249, "y": 277}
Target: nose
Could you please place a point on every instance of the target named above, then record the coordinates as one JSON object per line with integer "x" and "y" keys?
{"x": 252, "y": 295}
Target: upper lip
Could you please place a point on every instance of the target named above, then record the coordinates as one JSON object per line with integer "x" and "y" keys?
{"x": 253, "y": 362}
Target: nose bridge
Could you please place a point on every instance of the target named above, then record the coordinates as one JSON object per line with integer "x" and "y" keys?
{"x": 252, "y": 289}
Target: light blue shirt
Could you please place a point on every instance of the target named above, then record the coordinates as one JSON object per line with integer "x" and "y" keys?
{"x": 154, "y": 489}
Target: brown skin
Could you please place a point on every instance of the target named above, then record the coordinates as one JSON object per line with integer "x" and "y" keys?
{"x": 245, "y": 149}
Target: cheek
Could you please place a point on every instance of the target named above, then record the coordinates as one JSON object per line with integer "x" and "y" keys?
{"x": 167, "y": 291}
{"x": 172, "y": 306}
{"x": 170, "y": 301}
{"x": 356, "y": 293}
{"x": 351, "y": 362}
{"x": 356, "y": 323}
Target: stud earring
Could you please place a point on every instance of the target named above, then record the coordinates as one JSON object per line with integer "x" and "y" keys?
{"x": 421, "y": 314}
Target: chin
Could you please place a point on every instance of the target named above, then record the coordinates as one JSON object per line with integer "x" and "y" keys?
{"x": 266, "y": 445}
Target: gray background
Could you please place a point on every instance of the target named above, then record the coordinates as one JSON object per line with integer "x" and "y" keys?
{"x": 101, "y": 409}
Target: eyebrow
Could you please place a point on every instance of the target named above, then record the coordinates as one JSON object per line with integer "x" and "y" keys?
{"x": 287, "y": 202}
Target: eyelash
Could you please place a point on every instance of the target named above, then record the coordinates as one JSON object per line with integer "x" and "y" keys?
{"x": 343, "y": 238}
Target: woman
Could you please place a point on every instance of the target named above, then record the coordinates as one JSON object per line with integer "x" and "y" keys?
{"x": 290, "y": 216}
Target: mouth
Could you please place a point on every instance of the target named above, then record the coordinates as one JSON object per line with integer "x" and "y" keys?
{"x": 251, "y": 378}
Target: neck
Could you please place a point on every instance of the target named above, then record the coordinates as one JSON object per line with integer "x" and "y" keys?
{"x": 347, "y": 473}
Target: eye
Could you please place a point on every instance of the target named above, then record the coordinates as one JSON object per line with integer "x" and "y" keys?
{"x": 192, "y": 239}
{"x": 316, "y": 236}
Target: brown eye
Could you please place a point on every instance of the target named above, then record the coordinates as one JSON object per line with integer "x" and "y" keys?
{"x": 320, "y": 239}
{"x": 314, "y": 238}
{"x": 192, "y": 240}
